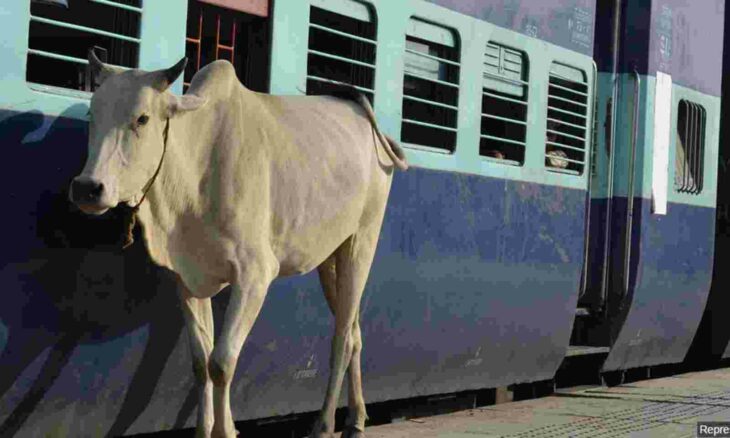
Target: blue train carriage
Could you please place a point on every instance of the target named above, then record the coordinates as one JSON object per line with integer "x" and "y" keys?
{"x": 654, "y": 191}
{"x": 481, "y": 258}
{"x": 711, "y": 342}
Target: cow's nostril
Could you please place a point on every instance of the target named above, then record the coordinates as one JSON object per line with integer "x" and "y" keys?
{"x": 86, "y": 190}
{"x": 95, "y": 192}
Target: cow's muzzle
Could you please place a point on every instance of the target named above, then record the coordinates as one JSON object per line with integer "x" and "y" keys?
{"x": 88, "y": 195}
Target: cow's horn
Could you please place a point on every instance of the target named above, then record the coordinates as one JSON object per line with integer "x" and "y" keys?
{"x": 166, "y": 77}
{"x": 99, "y": 70}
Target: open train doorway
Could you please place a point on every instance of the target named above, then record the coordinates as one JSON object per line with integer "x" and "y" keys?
{"x": 235, "y": 30}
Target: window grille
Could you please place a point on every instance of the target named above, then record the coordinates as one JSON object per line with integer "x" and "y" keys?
{"x": 342, "y": 49}
{"x": 216, "y": 33}
{"x": 504, "y": 104}
{"x": 567, "y": 120}
{"x": 60, "y": 37}
{"x": 689, "y": 160}
{"x": 430, "y": 87}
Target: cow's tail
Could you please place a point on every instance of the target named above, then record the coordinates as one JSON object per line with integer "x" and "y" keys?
{"x": 393, "y": 149}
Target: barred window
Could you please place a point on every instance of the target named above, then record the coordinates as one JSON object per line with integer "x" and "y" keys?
{"x": 430, "y": 86}
{"x": 216, "y": 33}
{"x": 567, "y": 119}
{"x": 689, "y": 163}
{"x": 342, "y": 48}
{"x": 61, "y": 34}
{"x": 504, "y": 104}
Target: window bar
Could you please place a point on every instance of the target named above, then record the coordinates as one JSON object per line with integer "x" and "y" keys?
{"x": 701, "y": 176}
{"x": 504, "y": 119}
{"x": 118, "y": 5}
{"x": 86, "y": 29}
{"x": 429, "y": 125}
{"x": 330, "y": 81}
{"x": 68, "y": 58}
{"x": 197, "y": 42}
{"x": 506, "y": 140}
{"x": 690, "y": 155}
{"x": 696, "y": 148}
{"x": 57, "y": 56}
{"x": 572, "y": 102}
{"x": 506, "y": 79}
{"x": 435, "y": 81}
{"x": 574, "y": 137}
{"x": 343, "y": 34}
{"x": 570, "y": 90}
{"x": 429, "y": 102}
{"x": 508, "y": 99}
{"x": 433, "y": 58}
{"x": 693, "y": 147}
{"x": 218, "y": 46}
{"x": 570, "y": 113}
{"x": 572, "y": 125}
{"x": 569, "y": 160}
{"x": 700, "y": 149}
{"x": 341, "y": 58}
{"x": 686, "y": 145}
{"x": 565, "y": 146}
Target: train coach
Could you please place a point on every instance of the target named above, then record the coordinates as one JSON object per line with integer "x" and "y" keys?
{"x": 560, "y": 201}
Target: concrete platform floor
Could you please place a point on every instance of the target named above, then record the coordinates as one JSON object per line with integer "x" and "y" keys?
{"x": 666, "y": 408}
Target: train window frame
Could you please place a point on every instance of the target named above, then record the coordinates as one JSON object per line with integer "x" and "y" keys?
{"x": 43, "y": 16}
{"x": 509, "y": 89}
{"x": 562, "y": 132}
{"x": 424, "y": 34}
{"x": 353, "y": 21}
{"x": 694, "y": 185}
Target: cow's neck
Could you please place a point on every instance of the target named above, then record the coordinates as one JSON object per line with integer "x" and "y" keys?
{"x": 174, "y": 192}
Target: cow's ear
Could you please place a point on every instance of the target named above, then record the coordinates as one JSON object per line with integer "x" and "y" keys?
{"x": 187, "y": 102}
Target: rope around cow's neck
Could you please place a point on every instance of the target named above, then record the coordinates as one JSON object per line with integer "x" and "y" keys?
{"x": 131, "y": 219}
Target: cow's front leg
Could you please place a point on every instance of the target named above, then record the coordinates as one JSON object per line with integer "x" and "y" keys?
{"x": 199, "y": 321}
{"x": 247, "y": 297}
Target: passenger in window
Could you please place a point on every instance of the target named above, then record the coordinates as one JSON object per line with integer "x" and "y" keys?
{"x": 494, "y": 153}
{"x": 554, "y": 154}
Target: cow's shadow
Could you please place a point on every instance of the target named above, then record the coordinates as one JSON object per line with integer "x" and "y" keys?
{"x": 64, "y": 279}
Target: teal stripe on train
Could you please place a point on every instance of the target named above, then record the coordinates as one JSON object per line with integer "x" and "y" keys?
{"x": 163, "y": 43}
{"x": 644, "y": 171}
{"x": 289, "y": 70}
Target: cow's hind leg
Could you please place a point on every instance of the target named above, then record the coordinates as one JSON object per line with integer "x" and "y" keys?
{"x": 247, "y": 297}
{"x": 357, "y": 414}
{"x": 353, "y": 260}
{"x": 199, "y": 321}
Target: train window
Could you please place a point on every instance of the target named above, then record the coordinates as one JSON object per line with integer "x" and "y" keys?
{"x": 504, "y": 104}
{"x": 342, "y": 48}
{"x": 61, "y": 33}
{"x": 690, "y": 148}
{"x": 216, "y": 33}
{"x": 567, "y": 117}
{"x": 430, "y": 86}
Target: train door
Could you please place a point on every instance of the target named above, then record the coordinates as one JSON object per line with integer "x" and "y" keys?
{"x": 653, "y": 198}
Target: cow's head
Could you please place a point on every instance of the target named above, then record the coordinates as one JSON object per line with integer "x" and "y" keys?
{"x": 127, "y": 119}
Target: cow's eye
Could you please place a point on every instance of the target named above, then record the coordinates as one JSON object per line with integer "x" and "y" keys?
{"x": 143, "y": 119}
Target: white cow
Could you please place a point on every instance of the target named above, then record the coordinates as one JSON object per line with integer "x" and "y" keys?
{"x": 240, "y": 188}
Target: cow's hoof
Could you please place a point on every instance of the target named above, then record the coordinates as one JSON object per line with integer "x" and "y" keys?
{"x": 352, "y": 432}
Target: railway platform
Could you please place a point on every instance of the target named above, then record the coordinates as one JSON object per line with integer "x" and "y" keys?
{"x": 667, "y": 407}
